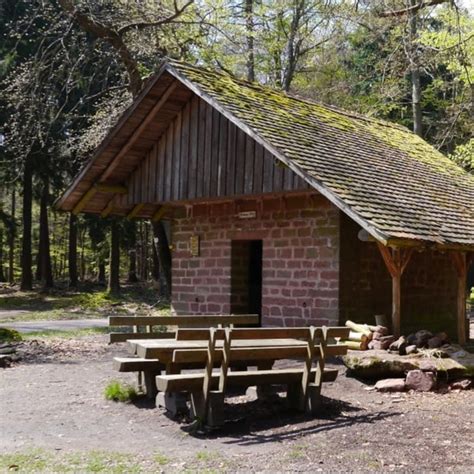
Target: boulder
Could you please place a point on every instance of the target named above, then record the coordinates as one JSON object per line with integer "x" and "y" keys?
{"x": 378, "y": 364}
{"x": 420, "y": 381}
{"x": 434, "y": 342}
{"x": 390, "y": 385}
{"x": 421, "y": 338}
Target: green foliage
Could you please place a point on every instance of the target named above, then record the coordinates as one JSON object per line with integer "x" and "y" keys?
{"x": 463, "y": 155}
{"x": 9, "y": 335}
{"x": 119, "y": 392}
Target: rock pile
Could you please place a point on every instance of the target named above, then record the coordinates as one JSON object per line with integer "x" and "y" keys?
{"x": 366, "y": 337}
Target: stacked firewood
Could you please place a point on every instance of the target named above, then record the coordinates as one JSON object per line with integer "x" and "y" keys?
{"x": 363, "y": 337}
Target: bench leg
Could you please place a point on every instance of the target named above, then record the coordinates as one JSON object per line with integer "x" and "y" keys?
{"x": 173, "y": 402}
{"x": 215, "y": 409}
{"x": 295, "y": 398}
{"x": 265, "y": 392}
{"x": 314, "y": 401}
{"x": 150, "y": 382}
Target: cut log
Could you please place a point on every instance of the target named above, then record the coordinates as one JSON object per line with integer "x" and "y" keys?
{"x": 355, "y": 345}
{"x": 363, "y": 328}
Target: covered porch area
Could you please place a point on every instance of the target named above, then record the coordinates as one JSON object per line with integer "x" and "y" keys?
{"x": 417, "y": 287}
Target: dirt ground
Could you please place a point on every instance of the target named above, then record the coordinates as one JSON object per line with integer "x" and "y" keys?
{"x": 53, "y": 402}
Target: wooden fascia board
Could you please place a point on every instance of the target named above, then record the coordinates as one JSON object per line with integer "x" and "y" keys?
{"x": 109, "y": 137}
{"x": 316, "y": 184}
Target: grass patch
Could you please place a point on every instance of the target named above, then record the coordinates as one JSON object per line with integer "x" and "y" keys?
{"x": 119, "y": 392}
{"x": 9, "y": 335}
{"x": 161, "y": 459}
{"x": 38, "y": 460}
{"x": 65, "y": 334}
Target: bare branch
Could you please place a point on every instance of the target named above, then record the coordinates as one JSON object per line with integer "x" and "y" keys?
{"x": 412, "y": 9}
{"x": 148, "y": 24}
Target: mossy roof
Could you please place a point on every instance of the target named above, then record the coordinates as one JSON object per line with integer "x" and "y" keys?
{"x": 383, "y": 175}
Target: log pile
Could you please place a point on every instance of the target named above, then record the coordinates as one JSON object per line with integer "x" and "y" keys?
{"x": 365, "y": 337}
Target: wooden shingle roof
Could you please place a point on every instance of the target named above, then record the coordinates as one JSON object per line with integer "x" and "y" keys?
{"x": 394, "y": 184}
{"x": 384, "y": 176}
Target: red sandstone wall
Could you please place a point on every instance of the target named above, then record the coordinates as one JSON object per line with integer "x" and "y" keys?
{"x": 300, "y": 237}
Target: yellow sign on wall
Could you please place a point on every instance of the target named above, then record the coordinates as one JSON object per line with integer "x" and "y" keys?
{"x": 194, "y": 245}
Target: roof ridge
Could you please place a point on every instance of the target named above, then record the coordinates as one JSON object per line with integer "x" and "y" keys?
{"x": 294, "y": 96}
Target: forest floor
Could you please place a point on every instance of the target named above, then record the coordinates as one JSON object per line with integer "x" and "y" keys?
{"x": 55, "y": 418}
{"x": 90, "y": 301}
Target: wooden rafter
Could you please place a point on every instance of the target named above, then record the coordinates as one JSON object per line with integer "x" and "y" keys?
{"x": 97, "y": 188}
{"x": 108, "y": 209}
{"x": 135, "y": 211}
{"x": 138, "y": 131}
{"x": 159, "y": 213}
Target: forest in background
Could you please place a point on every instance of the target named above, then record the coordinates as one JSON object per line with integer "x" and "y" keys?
{"x": 69, "y": 68}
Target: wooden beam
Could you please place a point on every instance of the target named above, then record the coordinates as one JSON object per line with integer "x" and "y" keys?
{"x": 111, "y": 188}
{"x": 84, "y": 200}
{"x": 396, "y": 261}
{"x": 97, "y": 188}
{"x": 138, "y": 131}
{"x": 159, "y": 213}
{"x": 460, "y": 261}
{"x": 135, "y": 211}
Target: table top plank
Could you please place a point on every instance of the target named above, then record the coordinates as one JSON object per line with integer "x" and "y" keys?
{"x": 163, "y": 348}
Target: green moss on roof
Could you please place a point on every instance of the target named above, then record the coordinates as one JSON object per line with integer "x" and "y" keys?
{"x": 400, "y": 184}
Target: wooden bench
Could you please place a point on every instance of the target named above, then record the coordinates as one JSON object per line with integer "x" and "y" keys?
{"x": 142, "y": 327}
{"x": 208, "y": 389}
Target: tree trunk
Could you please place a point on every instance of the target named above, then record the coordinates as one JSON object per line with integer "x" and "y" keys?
{"x": 415, "y": 72}
{"x": 26, "y": 262}
{"x": 132, "y": 266}
{"x": 155, "y": 271}
{"x": 114, "y": 271}
{"x": 2, "y": 274}
{"x": 46, "y": 272}
{"x": 11, "y": 241}
{"x": 250, "y": 40}
{"x": 101, "y": 276}
{"x": 72, "y": 251}
{"x": 164, "y": 256}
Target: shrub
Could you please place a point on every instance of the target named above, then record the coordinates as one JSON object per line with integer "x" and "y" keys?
{"x": 9, "y": 335}
{"x": 119, "y": 392}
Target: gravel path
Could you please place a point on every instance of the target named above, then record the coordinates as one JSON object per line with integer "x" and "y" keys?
{"x": 56, "y": 325}
{"x": 54, "y": 400}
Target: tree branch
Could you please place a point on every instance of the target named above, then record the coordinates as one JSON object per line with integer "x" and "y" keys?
{"x": 106, "y": 33}
{"x": 412, "y": 9}
{"x": 147, "y": 24}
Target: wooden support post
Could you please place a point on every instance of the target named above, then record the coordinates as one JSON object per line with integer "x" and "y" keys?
{"x": 396, "y": 261}
{"x": 461, "y": 261}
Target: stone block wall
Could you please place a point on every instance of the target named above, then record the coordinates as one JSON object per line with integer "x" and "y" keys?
{"x": 300, "y": 272}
